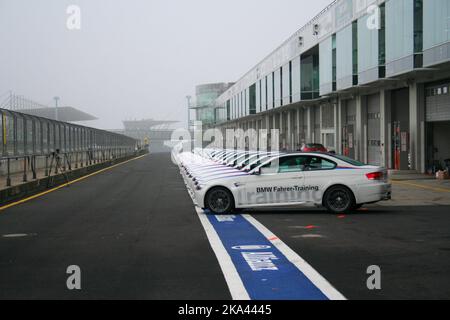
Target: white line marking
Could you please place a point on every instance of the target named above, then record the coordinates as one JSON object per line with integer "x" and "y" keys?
{"x": 18, "y": 235}
{"x": 320, "y": 282}
{"x": 234, "y": 281}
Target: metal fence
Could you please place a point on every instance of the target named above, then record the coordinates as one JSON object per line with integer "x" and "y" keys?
{"x": 27, "y": 138}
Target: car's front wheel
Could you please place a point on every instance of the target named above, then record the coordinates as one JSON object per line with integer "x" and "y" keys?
{"x": 219, "y": 201}
{"x": 339, "y": 199}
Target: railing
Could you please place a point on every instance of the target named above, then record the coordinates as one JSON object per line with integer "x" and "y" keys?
{"x": 29, "y": 143}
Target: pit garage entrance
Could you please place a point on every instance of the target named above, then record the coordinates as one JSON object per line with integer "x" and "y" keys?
{"x": 437, "y": 126}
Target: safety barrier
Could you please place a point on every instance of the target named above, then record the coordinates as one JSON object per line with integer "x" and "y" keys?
{"x": 29, "y": 142}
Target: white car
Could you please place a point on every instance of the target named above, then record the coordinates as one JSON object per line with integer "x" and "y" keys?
{"x": 336, "y": 182}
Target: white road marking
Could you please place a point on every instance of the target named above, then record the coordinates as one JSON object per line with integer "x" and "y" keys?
{"x": 309, "y": 236}
{"x": 316, "y": 278}
{"x": 234, "y": 281}
{"x": 18, "y": 235}
{"x": 225, "y": 218}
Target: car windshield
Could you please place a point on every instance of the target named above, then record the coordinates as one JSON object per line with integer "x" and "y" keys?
{"x": 349, "y": 160}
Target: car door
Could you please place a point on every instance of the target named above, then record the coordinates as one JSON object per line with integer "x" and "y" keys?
{"x": 318, "y": 172}
{"x": 279, "y": 182}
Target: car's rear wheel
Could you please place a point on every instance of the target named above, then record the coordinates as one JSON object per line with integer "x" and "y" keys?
{"x": 219, "y": 201}
{"x": 339, "y": 199}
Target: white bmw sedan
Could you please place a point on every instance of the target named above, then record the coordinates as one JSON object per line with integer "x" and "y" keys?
{"x": 338, "y": 183}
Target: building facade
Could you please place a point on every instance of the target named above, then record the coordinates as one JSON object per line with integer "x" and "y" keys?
{"x": 369, "y": 79}
{"x": 205, "y": 106}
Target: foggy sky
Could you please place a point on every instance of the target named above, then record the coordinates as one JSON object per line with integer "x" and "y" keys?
{"x": 135, "y": 59}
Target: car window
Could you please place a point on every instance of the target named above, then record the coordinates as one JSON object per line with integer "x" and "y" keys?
{"x": 293, "y": 164}
{"x": 349, "y": 160}
{"x": 271, "y": 167}
{"x": 318, "y": 163}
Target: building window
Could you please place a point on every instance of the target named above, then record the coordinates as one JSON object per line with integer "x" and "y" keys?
{"x": 355, "y": 51}
{"x": 310, "y": 74}
{"x": 382, "y": 43}
{"x": 290, "y": 81}
{"x": 252, "y": 99}
{"x": 333, "y": 60}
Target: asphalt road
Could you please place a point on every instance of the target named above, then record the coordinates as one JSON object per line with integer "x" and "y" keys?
{"x": 411, "y": 245}
{"x": 134, "y": 233}
{"x": 132, "y": 230}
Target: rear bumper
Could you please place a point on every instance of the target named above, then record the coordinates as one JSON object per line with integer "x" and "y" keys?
{"x": 372, "y": 193}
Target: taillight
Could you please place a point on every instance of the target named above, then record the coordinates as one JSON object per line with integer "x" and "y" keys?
{"x": 375, "y": 176}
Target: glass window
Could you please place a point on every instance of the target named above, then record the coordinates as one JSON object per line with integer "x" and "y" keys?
{"x": 399, "y": 29}
{"x": 355, "y": 50}
{"x": 418, "y": 26}
{"x": 242, "y": 101}
{"x": 270, "y": 96}
{"x": 45, "y": 147}
{"x": 293, "y": 164}
{"x": 326, "y": 67}
{"x": 37, "y": 126}
{"x": 349, "y": 160}
{"x": 334, "y": 60}
{"x": 367, "y": 46}
{"x": 382, "y": 37}
{"x": 286, "y": 84}
{"x": 252, "y": 99}
{"x": 239, "y": 105}
{"x": 8, "y": 139}
{"x": 344, "y": 58}
{"x": 30, "y": 136}
{"x": 271, "y": 167}
{"x": 20, "y": 134}
{"x": 310, "y": 75}
{"x": 295, "y": 79}
{"x": 258, "y": 97}
{"x": 277, "y": 87}
{"x": 318, "y": 163}
{"x": 436, "y": 23}
{"x": 264, "y": 94}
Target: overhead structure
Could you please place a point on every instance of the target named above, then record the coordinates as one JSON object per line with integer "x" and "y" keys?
{"x": 27, "y": 106}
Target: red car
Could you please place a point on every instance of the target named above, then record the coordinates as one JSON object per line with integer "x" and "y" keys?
{"x": 313, "y": 147}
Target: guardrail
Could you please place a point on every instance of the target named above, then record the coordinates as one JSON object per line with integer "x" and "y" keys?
{"x": 31, "y": 142}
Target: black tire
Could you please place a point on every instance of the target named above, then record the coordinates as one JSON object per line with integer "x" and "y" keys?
{"x": 339, "y": 199}
{"x": 219, "y": 201}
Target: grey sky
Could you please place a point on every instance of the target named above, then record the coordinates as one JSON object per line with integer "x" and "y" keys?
{"x": 135, "y": 59}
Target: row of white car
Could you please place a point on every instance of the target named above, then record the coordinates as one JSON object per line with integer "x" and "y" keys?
{"x": 222, "y": 181}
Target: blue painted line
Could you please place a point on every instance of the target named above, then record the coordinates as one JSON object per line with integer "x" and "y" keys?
{"x": 287, "y": 282}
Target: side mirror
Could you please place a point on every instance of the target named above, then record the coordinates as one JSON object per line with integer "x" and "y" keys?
{"x": 257, "y": 172}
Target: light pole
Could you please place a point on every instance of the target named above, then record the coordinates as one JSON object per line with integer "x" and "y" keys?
{"x": 56, "y": 107}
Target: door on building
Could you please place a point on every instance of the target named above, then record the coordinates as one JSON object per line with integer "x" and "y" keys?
{"x": 401, "y": 157}
{"x": 374, "y": 130}
{"x": 438, "y": 126}
{"x": 348, "y": 129}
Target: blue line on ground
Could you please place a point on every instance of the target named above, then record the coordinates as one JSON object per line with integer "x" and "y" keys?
{"x": 266, "y": 273}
